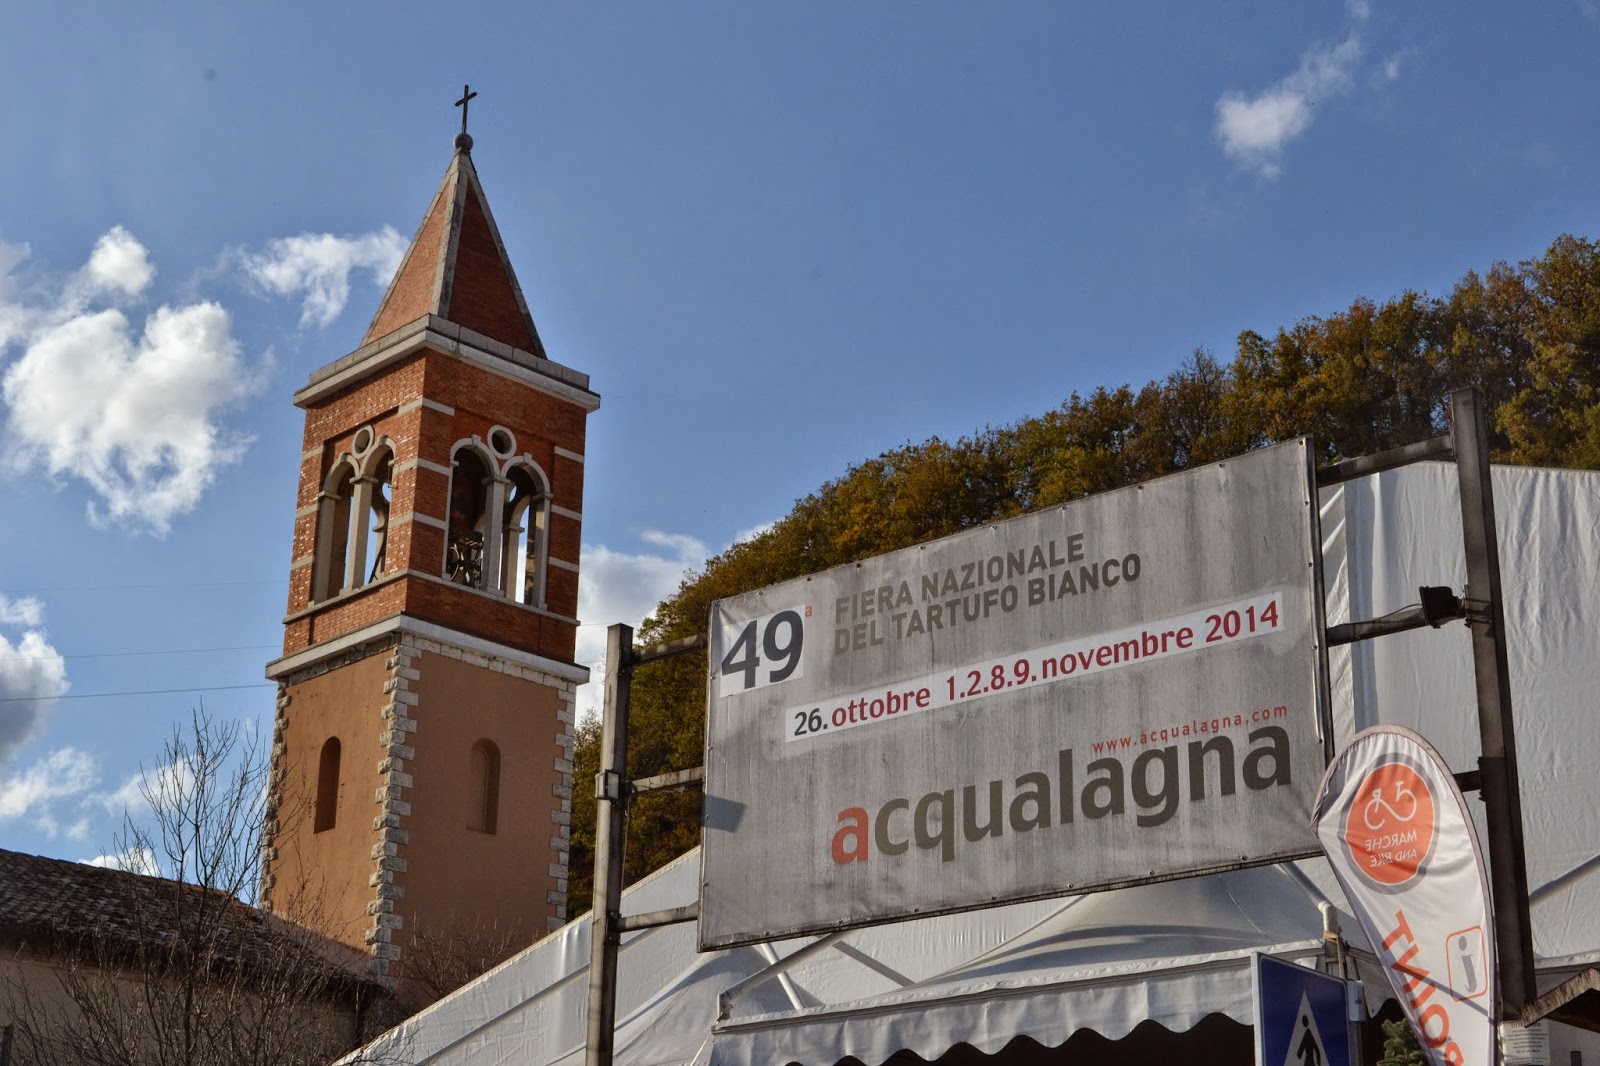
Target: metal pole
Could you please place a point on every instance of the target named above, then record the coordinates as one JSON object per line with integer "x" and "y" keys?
{"x": 1366, "y": 465}
{"x": 609, "y": 831}
{"x": 1501, "y": 792}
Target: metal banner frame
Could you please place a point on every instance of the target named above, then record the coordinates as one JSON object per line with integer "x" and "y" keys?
{"x": 1496, "y": 779}
{"x": 1182, "y": 615}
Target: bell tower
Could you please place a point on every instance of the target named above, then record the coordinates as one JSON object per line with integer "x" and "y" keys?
{"x": 422, "y": 774}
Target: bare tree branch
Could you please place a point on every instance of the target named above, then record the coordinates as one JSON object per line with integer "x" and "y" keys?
{"x": 179, "y": 969}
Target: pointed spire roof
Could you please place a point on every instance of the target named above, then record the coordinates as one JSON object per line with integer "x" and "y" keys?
{"x": 456, "y": 268}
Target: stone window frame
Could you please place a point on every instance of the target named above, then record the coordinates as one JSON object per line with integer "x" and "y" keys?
{"x": 537, "y": 505}
{"x": 354, "y": 486}
{"x": 489, "y": 559}
{"x": 497, "y": 574}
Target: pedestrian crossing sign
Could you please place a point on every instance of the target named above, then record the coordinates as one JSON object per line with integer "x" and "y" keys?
{"x": 1300, "y": 1016}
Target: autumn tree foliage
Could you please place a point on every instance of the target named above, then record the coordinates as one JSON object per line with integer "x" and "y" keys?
{"x": 1370, "y": 377}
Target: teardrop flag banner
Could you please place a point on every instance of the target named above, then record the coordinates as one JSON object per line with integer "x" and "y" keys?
{"x": 1396, "y": 830}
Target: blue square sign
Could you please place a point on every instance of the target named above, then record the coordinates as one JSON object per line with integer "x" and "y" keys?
{"x": 1300, "y": 1016}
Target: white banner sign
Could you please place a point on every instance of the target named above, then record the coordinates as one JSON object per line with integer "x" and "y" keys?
{"x": 1124, "y": 688}
{"x": 1397, "y": 833}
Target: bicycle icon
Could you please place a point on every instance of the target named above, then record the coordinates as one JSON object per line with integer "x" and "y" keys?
{"x": 1380, "y": 808}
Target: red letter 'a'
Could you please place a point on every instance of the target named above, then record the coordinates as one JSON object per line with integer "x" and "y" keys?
{"x": 853, "y": 830}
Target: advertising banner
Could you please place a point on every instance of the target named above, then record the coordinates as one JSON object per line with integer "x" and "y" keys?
{"x": 1396, "y": 830}
{"x": 1125, "y": 688}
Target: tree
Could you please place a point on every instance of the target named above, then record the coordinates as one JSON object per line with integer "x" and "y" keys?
{"x": 439, "y": 960}
{"x": 1364, "y": 379}
{"x": 1400, "y": 1047}
{"x": 1554, "y": 419}
{"x": 176, "y": 968}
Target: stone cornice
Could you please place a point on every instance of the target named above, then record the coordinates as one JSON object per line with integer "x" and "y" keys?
{"x": 281, "y": 669}
{"x": 447, "y": 338}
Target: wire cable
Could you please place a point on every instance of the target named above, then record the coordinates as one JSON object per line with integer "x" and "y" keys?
{"x": 134, "y": 692}
{"x": 125, "y": 654}
{"x": 155, "y": 585}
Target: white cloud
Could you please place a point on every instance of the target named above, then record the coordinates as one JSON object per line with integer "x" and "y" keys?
{"x": 14, "y": 317}
{"x": 623, "y": 587}
{"x": 118, "y": 266}
{"x": 32, "y": 675}
{"x": 63, "y": 773}
{"x": 753, "y": 532}
{"x": 685, "y": 549}
{"x": 1390, "y": 69}
{"x": 11, "y": 255}
{"x": 127, "y": 797}
{"x": 627, "y": 587}
{"x": 170, "y": 780}
{"x": 1255, "y": 130}
{"x": 133, "y": 416}
{"x": 317, "y": 267}
{"x": 26, "y": 611}
{"x": 133, "y": 408}
{"x": 134, "y": 860}
{"x": 79, "y": 830}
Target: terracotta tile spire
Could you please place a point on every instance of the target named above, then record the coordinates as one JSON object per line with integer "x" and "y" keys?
{"x": 456, "y": 267}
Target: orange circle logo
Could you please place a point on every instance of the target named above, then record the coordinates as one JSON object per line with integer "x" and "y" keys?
{"x": 1389, "y": 827}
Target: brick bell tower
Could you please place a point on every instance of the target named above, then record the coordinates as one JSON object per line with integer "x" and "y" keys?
{"x": 421, "y": 773}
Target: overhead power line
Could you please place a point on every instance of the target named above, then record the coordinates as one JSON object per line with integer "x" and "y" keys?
{"x": 135, "y": 692}
{"x": 125, "y": 654}
{"x": 153, "y": 585}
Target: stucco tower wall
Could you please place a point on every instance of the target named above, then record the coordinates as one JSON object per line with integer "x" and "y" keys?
{"x": 401, "y": 856}
{"x": 322, "y": 879}
{"x": 518, "y": 874}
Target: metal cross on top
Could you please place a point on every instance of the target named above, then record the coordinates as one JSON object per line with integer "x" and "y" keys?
{"x": 464, "y": 140}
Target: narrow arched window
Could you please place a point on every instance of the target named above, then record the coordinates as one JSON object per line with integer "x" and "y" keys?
{"x": 382, "y": 477}
{"x": 334, "y": 542}
{"x": 523, "y": 554}
{"x": 464, "y": 547}
{"x": 327, "y": 786}
{"x": 353, "y": 518}
{"x": 483, "y": 797}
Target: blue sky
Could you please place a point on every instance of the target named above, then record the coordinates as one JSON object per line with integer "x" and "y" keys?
{"x": 781, "y": 238}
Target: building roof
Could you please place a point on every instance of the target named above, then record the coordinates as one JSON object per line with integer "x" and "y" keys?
{"x": 42, "y": 898}
{"x": 456, "y": 268}
{"x": 51, "y": 904}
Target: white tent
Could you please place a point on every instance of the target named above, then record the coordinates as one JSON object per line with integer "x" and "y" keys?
{"x": 1171, "y": 953}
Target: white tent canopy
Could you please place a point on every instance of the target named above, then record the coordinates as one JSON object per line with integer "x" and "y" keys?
{"x": 1172, "y": 952}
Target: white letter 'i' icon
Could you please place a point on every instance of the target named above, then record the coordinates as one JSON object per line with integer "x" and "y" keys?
{"x": 1305, "y": 1043}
